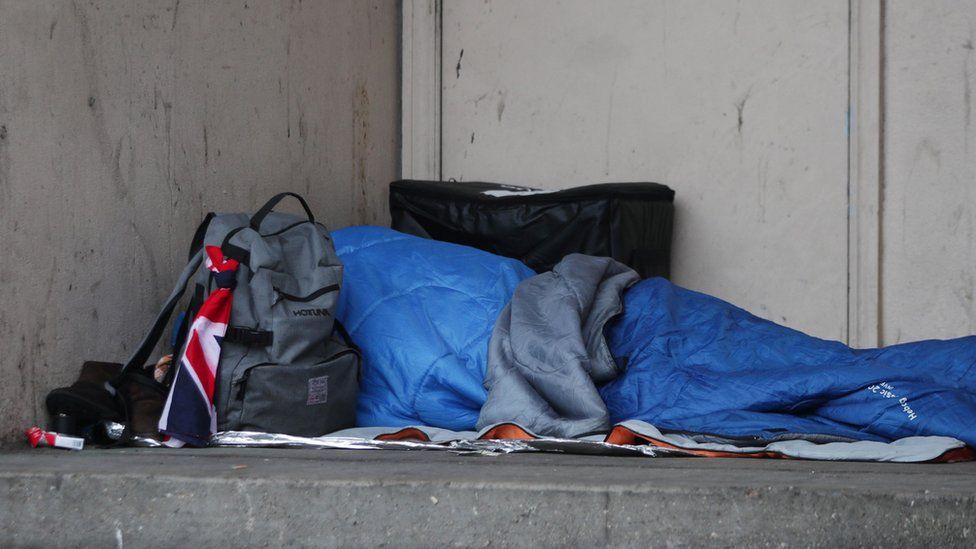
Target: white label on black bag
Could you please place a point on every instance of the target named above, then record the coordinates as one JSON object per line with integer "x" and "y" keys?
{"x": 318, "y": 390}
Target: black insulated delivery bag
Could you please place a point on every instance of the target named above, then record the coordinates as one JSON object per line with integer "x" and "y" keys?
{"x": 630, "y": 222}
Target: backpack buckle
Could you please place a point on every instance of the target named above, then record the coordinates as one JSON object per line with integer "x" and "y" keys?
{"x": 249, "y": 336}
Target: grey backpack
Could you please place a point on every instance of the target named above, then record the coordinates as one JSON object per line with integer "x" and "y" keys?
{"x": 282, "y": 368}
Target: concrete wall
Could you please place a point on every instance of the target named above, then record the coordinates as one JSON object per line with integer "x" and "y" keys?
{"x": 122, "y": 122}
{"x": 740, "y": 107}
{"x": 763, "y": 116}
{"x": 929, "y": 211}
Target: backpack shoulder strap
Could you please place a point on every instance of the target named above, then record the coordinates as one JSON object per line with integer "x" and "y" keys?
{"x": 141, "y": 355}
{"x": 197, "y": 243}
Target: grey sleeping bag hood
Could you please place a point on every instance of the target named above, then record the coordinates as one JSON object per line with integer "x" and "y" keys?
{"x": 547, "y": 351}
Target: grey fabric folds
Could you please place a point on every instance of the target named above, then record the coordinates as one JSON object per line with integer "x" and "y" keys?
{"x": 548, "y": 353}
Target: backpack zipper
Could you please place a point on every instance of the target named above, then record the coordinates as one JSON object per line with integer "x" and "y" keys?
{"x": 241, "y": 382}
{"x": 317, "y": 293}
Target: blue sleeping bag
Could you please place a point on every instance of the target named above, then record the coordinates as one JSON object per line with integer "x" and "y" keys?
{"x": 696, "y": 363}
{"x": 423, "y": 312}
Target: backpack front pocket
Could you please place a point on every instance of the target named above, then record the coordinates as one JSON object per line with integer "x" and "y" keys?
{"x": 303, "y": 313}
{"x": 303, "y": 400}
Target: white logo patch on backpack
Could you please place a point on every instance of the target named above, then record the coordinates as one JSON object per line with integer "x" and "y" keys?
{"x": 318, "y": 390}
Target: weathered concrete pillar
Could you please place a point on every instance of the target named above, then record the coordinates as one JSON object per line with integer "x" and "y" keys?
{"x": 123, "y": 122}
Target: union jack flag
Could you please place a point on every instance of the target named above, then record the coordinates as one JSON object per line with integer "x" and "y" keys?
{"x": 189, "y": 416}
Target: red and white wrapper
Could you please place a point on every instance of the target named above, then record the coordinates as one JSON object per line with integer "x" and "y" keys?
{"x": 37, "y": 437}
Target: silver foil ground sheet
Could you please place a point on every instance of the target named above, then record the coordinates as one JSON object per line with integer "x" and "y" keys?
{"x": 485, "y": 447}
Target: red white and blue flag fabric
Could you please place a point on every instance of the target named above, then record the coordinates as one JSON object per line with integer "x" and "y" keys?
{"x": 189, "y": 416}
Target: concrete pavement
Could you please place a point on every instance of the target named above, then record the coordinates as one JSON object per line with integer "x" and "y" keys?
{"x": 274, "y": 497}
